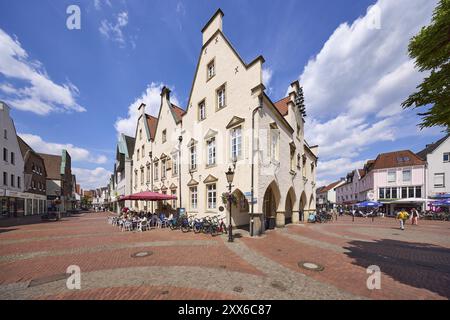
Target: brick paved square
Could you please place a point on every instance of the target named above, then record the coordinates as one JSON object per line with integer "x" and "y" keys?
{"x": 34, "y": 256}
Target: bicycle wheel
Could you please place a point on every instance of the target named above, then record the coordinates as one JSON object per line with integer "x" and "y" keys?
{"x": 185, "y": 227}
{"x": 197, "y": 228}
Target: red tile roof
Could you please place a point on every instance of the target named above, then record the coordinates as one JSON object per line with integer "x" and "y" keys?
{"x": 179, "y": 113}
{"x": 395, "y": 159}
{"x": 331, "y": 186}
{"x": 282, "y": 105}
{"x": 52, "y": 165}
{"x": 152, "y": 123}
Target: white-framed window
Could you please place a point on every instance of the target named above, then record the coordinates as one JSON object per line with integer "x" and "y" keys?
{"x": 156, "y": 169}
{"x": 194, "y": 197}
{"x": 19, "y": 182}
{"x": 135, "y": 178}
{"x": 236, "y": 142}
{"x": 12, "y": 180}
{"x": 439, "y": 180}
{"x": 202, "y": 110}
{"x": 406, "y": 175}
{"x": 211, "y": 70}
{"x": 148, "y": 173}
{"x": 164, "y": 135}
{"x": 193, "y": 162}
{"x": 174, "y": 201}
{"x": 211, "y": 149}
{"x": 163, "y": 169}
{"x": 138, "y": 154}
{"x": 392, "y": 176}
{"x": 140, "y": 134}
{"x": 221, "y": 97}
{"x": 13, "y": 158}
{"x": 446, "y": 157}
{"x": 175, "y": 164}
{"x": 143, "y": 151}
{"x": 5, "y": 154}
{"x": 211, "y": 196}
{"x": 5, "y": 134}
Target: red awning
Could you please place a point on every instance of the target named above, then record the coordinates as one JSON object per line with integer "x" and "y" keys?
{"x": 149, "y": 196}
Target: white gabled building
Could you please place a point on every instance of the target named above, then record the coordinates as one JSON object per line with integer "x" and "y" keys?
{"x": 11, "y": 167}
{"x": 437, "y": 156}
{"x": 229, "y": 121}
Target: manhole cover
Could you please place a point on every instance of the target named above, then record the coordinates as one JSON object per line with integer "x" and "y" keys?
{"x": 238, "y": 289}
{"x": 310, "y": 266}
{"x": 141, "y": 254}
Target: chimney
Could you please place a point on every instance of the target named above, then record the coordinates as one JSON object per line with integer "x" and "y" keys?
{"x": 214, "y": 24}
{"x": 142, "y": 108}
{"x": 165, "y": 93}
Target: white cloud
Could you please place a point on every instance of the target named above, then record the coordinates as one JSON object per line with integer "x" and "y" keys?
{"x": 266, "y": 76}
{"x": 334, "y": 169}
{"x": 152, "y": 99}
{"x": 38, "y": 93}
{"x": 91, "y": 179}
{"x": 77, "y": 153}
{"x": 113, "y": 31}
{"x": 358, "y": 61}
{"x": 355, "y": 85}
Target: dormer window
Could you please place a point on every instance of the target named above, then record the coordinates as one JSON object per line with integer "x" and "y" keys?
{"x": 164, "y": 135}
{"x": 211, "y": 70}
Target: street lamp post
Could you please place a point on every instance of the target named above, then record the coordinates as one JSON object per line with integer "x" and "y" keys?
{"x": 180, "y": 139}
{"x": 150, "y": 154}
{"x": 230, "y": 176}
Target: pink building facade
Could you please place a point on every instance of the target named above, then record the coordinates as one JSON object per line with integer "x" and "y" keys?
{"x": 396, "y": 179}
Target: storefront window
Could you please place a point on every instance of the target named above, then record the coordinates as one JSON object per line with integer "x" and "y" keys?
{"x": 410, "y": 192}
{"x": 404, "y": 192}
{"x": 29, "y": 208}
{"x": 418, "y": 192}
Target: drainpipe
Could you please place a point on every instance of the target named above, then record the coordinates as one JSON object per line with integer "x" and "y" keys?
{"x": 253, "y": 167}
{"x": 151, "y": 175}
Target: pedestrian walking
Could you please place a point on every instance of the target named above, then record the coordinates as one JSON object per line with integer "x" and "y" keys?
{"x": 415, "y": 216}
{"x": 402, "y": 216}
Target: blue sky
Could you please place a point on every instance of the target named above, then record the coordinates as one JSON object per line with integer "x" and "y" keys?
{"x": 78, "y": 88}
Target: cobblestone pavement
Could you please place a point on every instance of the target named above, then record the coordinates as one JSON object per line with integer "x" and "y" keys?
{"x": 34, "y": 256}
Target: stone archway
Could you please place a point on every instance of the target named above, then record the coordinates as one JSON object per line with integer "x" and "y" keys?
{"x": 289, "y": 206}
{"x": 302, "y": 206}
{"x": 240, "y": 211}
{"x": 270, "y": 204}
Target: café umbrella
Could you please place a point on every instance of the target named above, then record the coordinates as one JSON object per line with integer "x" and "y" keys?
{"x": 369, "y": 204}
{"x": 149, "y": 196}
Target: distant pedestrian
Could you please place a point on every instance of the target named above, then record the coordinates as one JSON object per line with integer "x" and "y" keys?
{"x": 415, "y": 216}
{"x": 402, "y": 216}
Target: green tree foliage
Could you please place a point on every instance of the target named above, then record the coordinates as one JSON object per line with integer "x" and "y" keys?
{"x": 431, "y": 50}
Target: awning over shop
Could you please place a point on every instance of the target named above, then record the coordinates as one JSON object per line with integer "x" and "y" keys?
{"x": 406, "y": 200}
{"x": 149, "y": 196}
